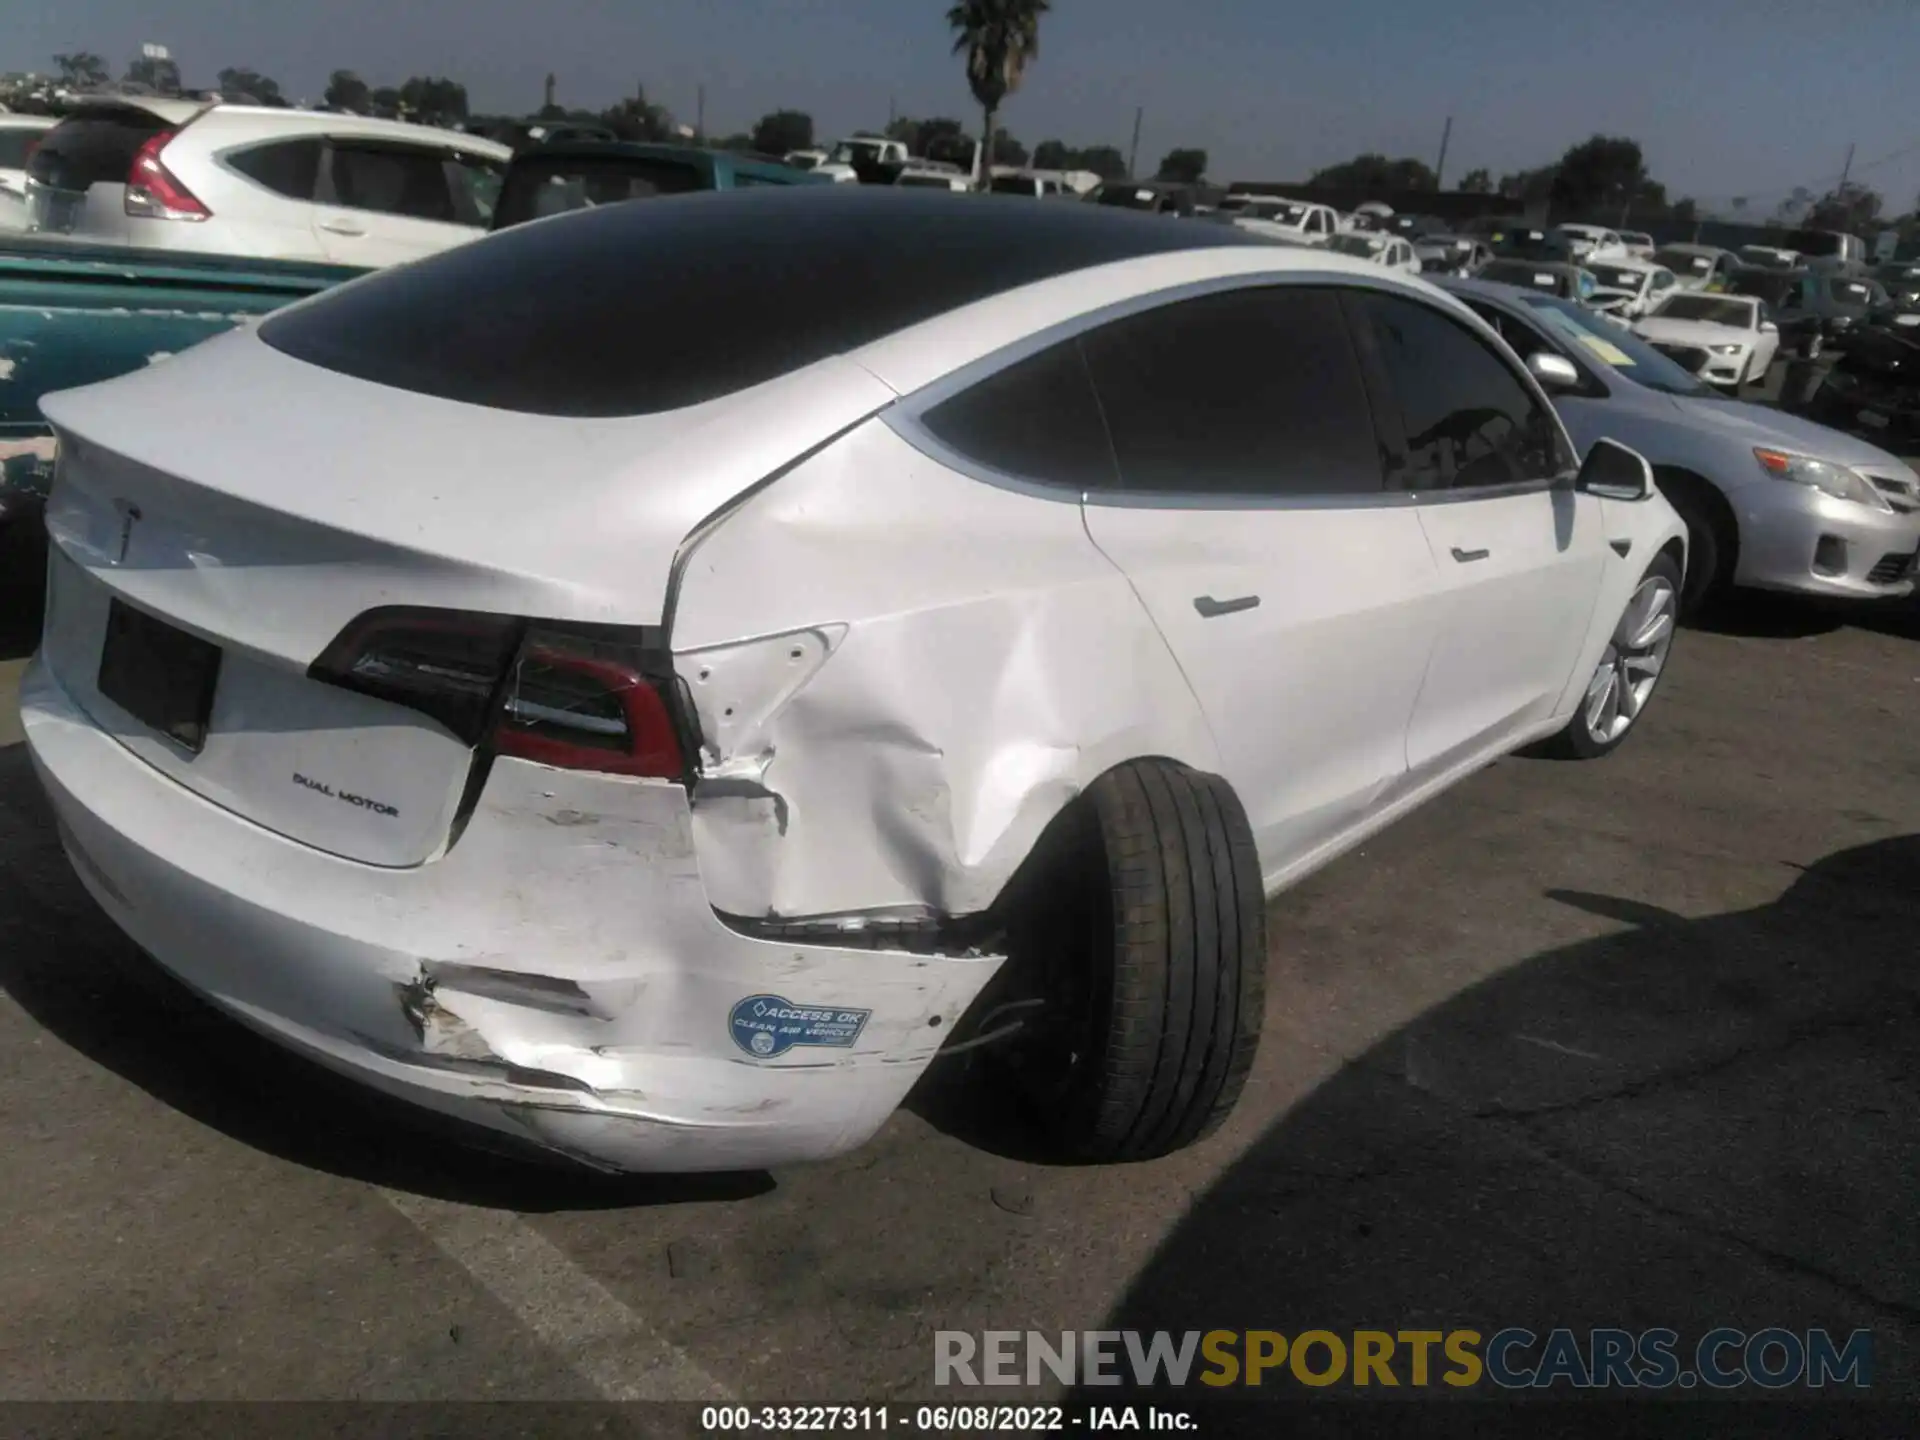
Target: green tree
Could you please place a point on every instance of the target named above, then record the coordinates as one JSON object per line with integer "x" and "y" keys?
{"x": 82, "y": 70}
{"x": 942, "y": 138}
{"x": 1476, "y": 182}
{"x": 1000, "y": 39}
{"x": 1852, "y": 208}
{"x": 782, "y": 131}
{"x": 1007, "y": 150}
{"x": 347, "y": 91}
{"x": 742, "y": 143}
{"x": 1374, "y": 171}
{"x": 1188, "y": 166}
{"x": 252, "y": 85}
{"x": 1602, "y": 176}
{"x": 384, "y": 102}
{"x": 1684, "y": 212}
{"x": 434, "y": 100}
{"x": 637, "y": 118}
{"x": 161, "y": 76}
{"x": 1106, "y": 161}
{"x": 1052, "y": 155}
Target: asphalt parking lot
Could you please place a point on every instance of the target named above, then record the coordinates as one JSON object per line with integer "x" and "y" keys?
{"x": 1631, "y": 1043}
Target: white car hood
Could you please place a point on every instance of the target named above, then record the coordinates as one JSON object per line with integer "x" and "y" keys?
{"x": 1759, "y": 425}
{"x": 1691, "y": 332}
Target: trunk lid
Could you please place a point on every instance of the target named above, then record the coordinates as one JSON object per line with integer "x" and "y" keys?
{"x": 262, "y": 504}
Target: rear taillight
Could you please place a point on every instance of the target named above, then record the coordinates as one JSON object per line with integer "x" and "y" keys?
{"x": 576, "y": 697}
{"x": 587, "y": 704}
{"x": 154, "y": 192}
{"x": 32, "y": 145}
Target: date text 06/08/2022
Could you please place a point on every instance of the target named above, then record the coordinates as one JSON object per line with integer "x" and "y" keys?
{"x": 940, "y": 1419}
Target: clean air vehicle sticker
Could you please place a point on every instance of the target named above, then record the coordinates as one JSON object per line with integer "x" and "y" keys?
{"x": 768, "y": 1025}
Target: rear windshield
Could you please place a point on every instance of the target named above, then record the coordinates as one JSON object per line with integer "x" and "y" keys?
{"x": 637, "y": 309}
{"x": 1856, "y": 292}
{"x": 1775, "y": 289}
{"x": 1507, "y": 272}
{"x": 88, "y": 149}
{"x": 15, "y": 145}
{"x": 1708, "y": 308}
{"x": 538, "y": 186}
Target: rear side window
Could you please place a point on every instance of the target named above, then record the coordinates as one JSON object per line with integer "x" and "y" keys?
{"x": 1469, "y": 422}
{"x": 286, "y": 167}
{"x": 94, "y": 148}
{"x": 1251, "y": 392}
{"x": 16, "y": 145}
{"x": 536, "y": 188}
{"x": 1037, "y": 419}
{"x": 408, "y": 180}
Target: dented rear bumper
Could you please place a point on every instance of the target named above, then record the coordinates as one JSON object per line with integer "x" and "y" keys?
{"x": 559, "y": 975}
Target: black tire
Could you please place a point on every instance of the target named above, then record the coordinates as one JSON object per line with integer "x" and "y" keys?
{"x": 1151, "y": 922}
{"x": 1713, "y": 540}
{"x": 1577, "y": 741}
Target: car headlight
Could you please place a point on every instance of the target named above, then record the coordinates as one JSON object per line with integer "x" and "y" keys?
{"x": 1726, "y": 349}
{"x": 1836, "y": 480}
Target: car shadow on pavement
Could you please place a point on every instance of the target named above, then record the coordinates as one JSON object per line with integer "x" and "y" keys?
{"x": 1761, "y": 615}
{"x": 78, "y": 977}
{"x": 1689, "y": 1123}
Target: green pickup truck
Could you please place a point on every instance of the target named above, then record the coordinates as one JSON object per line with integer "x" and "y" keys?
{"x": 71, "y": 314}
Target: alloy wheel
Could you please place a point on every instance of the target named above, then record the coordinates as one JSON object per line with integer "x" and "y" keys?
{"x": 1635, "y": 657}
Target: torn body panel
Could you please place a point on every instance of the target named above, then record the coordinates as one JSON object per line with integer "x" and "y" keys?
{"x": 944, "y": 699}
{"x": 559, "y": 973}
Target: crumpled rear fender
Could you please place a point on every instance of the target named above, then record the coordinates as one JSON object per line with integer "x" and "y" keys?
{"x": 901, "y": 675}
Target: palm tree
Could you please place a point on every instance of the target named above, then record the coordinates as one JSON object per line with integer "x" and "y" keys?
{"x": 1000, "y": 38}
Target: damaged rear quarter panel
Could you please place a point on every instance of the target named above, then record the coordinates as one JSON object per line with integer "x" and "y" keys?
{"x": 902, "y": 674}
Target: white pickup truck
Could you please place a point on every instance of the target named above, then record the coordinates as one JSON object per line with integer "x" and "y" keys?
{"x": 845, "y": 155}
{"x": 1282, "y": 219}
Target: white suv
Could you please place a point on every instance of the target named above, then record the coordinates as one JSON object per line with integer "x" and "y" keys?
{"x": 249, "y": 180}
{"x": 20, "y": 135}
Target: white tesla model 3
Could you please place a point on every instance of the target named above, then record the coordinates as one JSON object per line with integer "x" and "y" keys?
{"x": 650, "y": 681}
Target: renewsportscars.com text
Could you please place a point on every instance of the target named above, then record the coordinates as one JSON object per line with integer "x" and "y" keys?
{"x": 1513, "y": 1358}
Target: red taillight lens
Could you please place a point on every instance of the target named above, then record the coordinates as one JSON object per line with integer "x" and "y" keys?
{"x": 579, "y": 698}
{"x": 32, "y": 145}
{"x": 154, "y": 192}
{"x": 586, "y": 704}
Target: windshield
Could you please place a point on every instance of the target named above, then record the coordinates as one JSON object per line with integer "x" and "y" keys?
{"x": 1823, "y": 243}
{"x": 1596, "y": 338}
{"x": 1857, "y": 292}
{"x": 1684, "y": 262}
{"x": 1616, "y": 277}
{"x": 1711, "y": 309}
{"x": 1775, "y": 289}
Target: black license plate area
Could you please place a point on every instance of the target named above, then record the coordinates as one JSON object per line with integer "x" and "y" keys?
{"x": 160, "y": 675}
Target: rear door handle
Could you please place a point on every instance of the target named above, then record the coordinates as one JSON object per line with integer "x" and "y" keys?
{"x": 1211, "y": 609}
{"x": 1466, "y": 557}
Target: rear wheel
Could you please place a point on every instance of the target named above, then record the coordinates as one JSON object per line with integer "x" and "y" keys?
{"x": 1143, "y": 932}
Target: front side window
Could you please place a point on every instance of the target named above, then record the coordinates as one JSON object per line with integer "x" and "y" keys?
{"x": 538, "y": 186}
{"x": 1037, "y": 420}
{"x": 475, "y": 182}
{"x": 407, "y": 180}
{"x": 1468, "y": 419}
{"x": 1250, "y": 392}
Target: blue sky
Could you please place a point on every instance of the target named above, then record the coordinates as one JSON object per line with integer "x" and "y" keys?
{"x": 1728, "y": 98}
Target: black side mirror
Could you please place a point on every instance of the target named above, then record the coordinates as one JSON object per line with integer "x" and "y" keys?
{"x": 1614, "y": 472}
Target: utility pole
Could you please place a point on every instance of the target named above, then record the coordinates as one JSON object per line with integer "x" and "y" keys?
{"x": 893, "y": 113}
{"x": 700, "y": 113}
{"x": 1440, "y": 165}
{"x": 1846, "y": 169}
{"x": 1133, "y": 151}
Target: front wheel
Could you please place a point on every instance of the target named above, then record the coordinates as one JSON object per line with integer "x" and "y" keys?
{"x": 1629, "y": 670}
